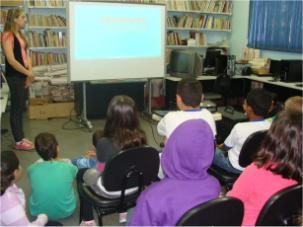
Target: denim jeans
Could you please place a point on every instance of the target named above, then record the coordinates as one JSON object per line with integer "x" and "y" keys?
{"x": 221, "y": 160}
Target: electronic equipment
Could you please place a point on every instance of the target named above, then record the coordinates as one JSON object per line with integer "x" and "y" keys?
{"x": 184, "y": 63}
{"x": 221, "y": 64}
{"x": 210, "y": 61}
{"x": 291, "y": 70}
{"x": 211, "y": 106}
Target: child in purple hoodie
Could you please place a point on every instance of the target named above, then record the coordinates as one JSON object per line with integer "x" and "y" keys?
{"x": 187, "y": 155}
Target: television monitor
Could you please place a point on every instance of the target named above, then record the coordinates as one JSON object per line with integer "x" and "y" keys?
{"x": 185, "y": 63}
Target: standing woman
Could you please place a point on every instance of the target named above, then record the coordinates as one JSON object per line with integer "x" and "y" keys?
{"x": 19, "y": 73}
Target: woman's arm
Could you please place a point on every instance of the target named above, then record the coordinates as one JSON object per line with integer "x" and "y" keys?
{"x": 8, "y": 52}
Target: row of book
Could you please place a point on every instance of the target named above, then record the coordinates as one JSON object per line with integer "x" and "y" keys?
{"x": 197, "y": 39}
{"x": 43, "y": 58}
{"x": 47, "y": 3}
{"x": 215, "y": 6}
{"x": 49, "y": 20}
{"x": 2, "y": 60}
{"x": 47, "y": 39}
{"x": 204, "y": 21}
{"x": 3, "y": 14}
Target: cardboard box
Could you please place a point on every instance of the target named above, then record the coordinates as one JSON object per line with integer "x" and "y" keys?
{"x": 41, "y": 108}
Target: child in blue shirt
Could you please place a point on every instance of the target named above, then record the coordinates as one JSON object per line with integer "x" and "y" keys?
{"x": 89, "y": 159}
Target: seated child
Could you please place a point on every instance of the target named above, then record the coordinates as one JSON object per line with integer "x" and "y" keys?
{"x": 256, "y": 106}
{"x": 187, "y": 155}
{"x": 294, "y": 104}
{"x": 121, "y": 131}
{"x": 278, "y": 165}
{"x": 51, "y": 181}
{"x": 12, "y": 198}
{"x": 189, "y": 96}
{"x": 89, "y": 159}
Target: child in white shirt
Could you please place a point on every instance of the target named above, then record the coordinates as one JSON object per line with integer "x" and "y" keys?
{"x": 256, "y": 107}
{"x": 188, "y": 98}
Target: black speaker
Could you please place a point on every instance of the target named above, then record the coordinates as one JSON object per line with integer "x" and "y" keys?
{"x": 221, "y": 64}
{"x": 291, "y": 70}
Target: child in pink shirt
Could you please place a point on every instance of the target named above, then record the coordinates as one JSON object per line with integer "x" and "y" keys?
{"x": 277, "y": 165}
{"x": 12, "y": 198}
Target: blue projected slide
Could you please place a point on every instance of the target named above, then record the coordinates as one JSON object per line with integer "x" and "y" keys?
{"x": 107, "y": 32}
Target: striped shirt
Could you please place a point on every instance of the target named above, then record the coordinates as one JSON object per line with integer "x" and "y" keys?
{"x": 13, "y": 209}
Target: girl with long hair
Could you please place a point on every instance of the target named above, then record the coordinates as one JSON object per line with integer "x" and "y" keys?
{"x": 121, "y": 131}
{"x": 18, "y": 71}
{"x": 277, "y": 165}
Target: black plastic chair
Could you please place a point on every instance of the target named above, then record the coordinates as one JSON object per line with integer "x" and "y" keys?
{"x": 282, "y": 208}
{"x": 249, "y": 148}
{"x": 225, "y": 211}
{"x": 129, "y": 168}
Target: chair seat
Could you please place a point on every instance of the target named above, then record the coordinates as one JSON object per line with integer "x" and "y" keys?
{"x": 104, "y": 202}
{"x": 223, "y": 176}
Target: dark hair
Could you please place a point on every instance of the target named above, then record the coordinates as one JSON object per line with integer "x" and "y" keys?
{"x": 122, "y": 123}
{"x": 281, "y": 149}
{"x": 46, "y": 146}
{"x": 259, "y": 100}
{"x": 98, "y": 134}
{"x": 9, "y": 163}
{"x": 190, "y": 91}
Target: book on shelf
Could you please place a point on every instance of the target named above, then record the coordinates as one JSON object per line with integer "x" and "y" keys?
{"x": 47, "y": 3}
{"x": 42, "y": 58}
{"x": 215, "y": 6}
{"x": 47, "y": 39}
{"x": 50, "y": 20}
{"x": 203, "y": 22}
{"x": 3, "y": 14}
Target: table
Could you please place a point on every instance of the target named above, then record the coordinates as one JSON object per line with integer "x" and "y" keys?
{"x": 240, "y": 86}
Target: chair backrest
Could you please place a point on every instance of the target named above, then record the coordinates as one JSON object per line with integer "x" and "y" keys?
{"x": 250, "y": 147}
{"x": 282, "y": 207}
{"x": 225, "y": 211}
{"x": 141, "y": 160}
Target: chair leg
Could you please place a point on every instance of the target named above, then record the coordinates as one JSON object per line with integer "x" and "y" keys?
{"x": 99, "y": 213}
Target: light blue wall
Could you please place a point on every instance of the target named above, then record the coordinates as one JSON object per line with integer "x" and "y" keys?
{"x": 239, "y": 33}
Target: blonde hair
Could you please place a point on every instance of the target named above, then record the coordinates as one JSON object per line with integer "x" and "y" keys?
{"x": 9, "y": 23}
{"x": 294, "y": 104}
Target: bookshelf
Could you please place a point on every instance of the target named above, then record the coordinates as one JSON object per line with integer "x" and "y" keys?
{"x": 205, "y": 23}
{"x": 46, "y": 32}
{"x": 5, "y": 6}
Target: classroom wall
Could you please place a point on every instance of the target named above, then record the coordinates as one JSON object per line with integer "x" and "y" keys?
{"x": 239, "y": 34}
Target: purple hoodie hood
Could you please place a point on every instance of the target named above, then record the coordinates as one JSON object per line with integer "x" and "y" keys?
{"x": 189, "y": 151}
{"x": 186, "y": 157}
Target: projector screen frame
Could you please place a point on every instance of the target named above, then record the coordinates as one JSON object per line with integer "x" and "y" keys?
{"x": 105, "y": 78}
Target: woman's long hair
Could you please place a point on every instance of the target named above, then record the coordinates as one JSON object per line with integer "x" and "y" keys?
{"x": 9, "y": 23}
{"x": 9, "y": 163}
{"x": 122, "y": 123}
{"x": 281, "y": 149}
